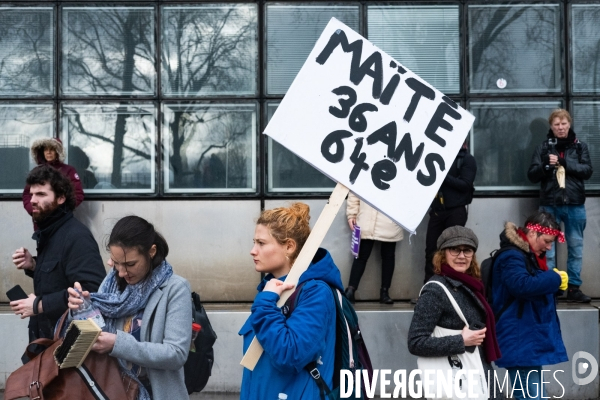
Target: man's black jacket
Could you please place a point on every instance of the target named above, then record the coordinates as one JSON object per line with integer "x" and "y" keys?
{"x": 66, "y": 253}
{"x": 457, "y": 188}
{"x": 578, "y": 168}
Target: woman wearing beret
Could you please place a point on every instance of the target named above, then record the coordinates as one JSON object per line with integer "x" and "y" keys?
{"x": 456, "y": 268}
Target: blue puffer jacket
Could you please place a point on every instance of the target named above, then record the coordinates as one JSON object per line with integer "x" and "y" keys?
{"x": 528, "y": 331}
{"x": 290, "y": 344}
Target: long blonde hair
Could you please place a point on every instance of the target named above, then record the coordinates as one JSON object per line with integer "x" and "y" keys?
{"x": 288, "y": 223}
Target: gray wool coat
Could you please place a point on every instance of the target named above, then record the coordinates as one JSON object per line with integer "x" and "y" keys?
{"x": 166, "y": 335}
{"x": 434, "y": 308}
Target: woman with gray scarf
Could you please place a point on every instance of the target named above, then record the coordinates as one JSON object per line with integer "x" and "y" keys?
{"x": 147, "y": 311}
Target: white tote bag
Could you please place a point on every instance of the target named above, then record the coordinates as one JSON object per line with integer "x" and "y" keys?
{"x": 463, "y": 372}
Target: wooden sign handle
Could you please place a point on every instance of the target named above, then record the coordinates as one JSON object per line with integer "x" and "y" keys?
{"x": 303, "y": 261}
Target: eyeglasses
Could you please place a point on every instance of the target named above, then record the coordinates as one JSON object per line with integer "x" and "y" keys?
{"x": 467, "y": 251}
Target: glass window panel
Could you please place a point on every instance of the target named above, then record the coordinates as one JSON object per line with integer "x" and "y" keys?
{"x": 22, "y": 124}
{"x": 108, "y": 51}
{"x": 26, "y": 51}
{"x": 503, "y": 138}
{"x": 425, "y": 39}
{"x": 288, "y": 172}
{"x": 514, "y": 48}
{"x": 111, "y": 145}
{"x": 292, "y": 31}
{"x": 211, "y": 147}
{"x": 586, "y": 47}
{"x": 209, "y": 50}
{"x": 586, "y": 124}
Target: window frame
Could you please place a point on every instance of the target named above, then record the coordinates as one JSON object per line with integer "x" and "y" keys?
{"x": 560, "y": 91}
{"x": 503, "y": 190}
{"x": 152, "y": 135}
{"x": 265, "y": 41}
{"x": 165, "y": 145}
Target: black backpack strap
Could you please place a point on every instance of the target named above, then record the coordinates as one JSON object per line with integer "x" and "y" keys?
{"x": 313, "y": 370}
{"x": 292, "y": 301}
{"x": 311, "y": 367}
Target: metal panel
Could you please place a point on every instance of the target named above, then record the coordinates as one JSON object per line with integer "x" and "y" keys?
{"x": 210, "y": 241}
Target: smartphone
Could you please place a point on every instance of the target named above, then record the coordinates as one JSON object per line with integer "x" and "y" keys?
{"x": 475, "y": 326}
{"x": 16, "y": 293}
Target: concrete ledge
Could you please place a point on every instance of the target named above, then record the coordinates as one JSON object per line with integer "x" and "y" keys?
{"x": 14, "y": 337}
{"x": 385, "y": 329}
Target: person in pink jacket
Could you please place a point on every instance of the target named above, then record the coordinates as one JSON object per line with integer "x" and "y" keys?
{"x": 374, "y": 227}
{"x": 51, "y": 151}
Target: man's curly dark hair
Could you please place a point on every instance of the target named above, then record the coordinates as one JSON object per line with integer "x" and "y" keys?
{"x": 60, "y": 184}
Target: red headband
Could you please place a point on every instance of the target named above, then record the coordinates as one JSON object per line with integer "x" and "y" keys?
{"x": 547, "y": 231}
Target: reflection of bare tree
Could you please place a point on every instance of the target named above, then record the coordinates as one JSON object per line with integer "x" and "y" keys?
{"x": 226, "y": 133}
{"x": 499, "y": 49}
{"x": 586, "y": 42}
{"x": 26, "y": 51}
{"x": 205, "y": 50}
{"x": 79, "y": 123}
{"x": 496, "y": 125}
{"x": 108, "y": 49}
{"x": 220, "y": 142}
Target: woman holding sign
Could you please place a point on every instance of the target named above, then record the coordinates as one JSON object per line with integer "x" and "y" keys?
{"x": 374, "y": 227}
{"x": 452, "y": 319}
{"x": 291, "y": 341}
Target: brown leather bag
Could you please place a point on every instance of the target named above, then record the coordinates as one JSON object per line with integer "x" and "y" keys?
{"x": 41, "y": 379}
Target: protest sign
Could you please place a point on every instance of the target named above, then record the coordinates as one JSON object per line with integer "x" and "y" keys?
{"x": 371, "y": 124}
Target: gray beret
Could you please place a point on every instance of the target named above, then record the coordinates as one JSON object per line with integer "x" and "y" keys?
{"x": 456, "y": 236}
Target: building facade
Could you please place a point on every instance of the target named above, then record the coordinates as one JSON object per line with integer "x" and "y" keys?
{"x": 161, "y": 105}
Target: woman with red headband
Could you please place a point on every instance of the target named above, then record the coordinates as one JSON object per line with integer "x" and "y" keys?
{"x": 524, "y": 303}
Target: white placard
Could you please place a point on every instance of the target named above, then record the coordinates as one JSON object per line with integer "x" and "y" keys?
{"x": 372, "y": 125}
{"x": 364, "y": 120}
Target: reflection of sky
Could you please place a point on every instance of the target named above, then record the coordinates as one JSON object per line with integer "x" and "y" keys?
{"x": 217, "y": 122}
{"x": 24, "y": 29}
{"x": 101, "y": 121}
{"x": 112, "y": 50}
{"x": 202, "y": 32}
{"x": 25, "y": 124}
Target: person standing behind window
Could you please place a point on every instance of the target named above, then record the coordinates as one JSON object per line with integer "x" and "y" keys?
{"x": 561, "y": 164}
{"x": 374, "y": 227}
{"x": 51, "y": 152}
{"x": 449, "y": 208}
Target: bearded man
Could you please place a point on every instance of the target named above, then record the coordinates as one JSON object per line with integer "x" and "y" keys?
{"x": 66, "y": 253}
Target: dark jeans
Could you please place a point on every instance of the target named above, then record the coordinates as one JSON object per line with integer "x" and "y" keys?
{"x": 438, "y": 221}
{"x": 388, "y": 253}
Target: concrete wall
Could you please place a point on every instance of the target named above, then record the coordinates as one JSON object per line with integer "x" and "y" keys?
{"x": 384, "y": 328}
{"x": 210, "y": 242}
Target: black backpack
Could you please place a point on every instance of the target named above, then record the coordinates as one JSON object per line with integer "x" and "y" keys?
{"x": 198, "y": 366}
{"x": 349, "y": 345}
